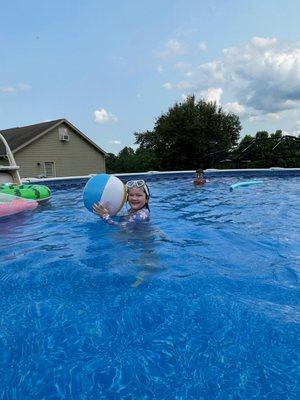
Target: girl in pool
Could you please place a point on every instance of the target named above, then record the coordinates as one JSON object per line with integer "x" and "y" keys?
{"x": 138, "y": 196}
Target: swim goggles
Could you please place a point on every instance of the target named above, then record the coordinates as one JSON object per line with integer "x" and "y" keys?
{"x": 140, "y": 183}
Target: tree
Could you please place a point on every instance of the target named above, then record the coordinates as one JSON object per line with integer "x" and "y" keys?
{"x": 111, "y": 163}
{"x": 145, "y": 160}
{"x": 187, "y": 135}
{"x": 277, "y": 134}
{"x": 245, "y": 142}
{"x": 126, "y": 160}
{"x": 264, "y": 150}
{"x": 262, "y": 135}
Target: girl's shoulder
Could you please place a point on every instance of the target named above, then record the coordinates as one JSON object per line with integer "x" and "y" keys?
{"x": 142, "y": 214}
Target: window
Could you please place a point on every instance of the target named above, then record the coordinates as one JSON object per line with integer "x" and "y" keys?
{"x": 49, "y": 169}
{"x": 63, "y": 134}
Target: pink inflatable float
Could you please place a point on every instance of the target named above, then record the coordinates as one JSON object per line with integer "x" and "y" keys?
{"x": 12, "y": 204}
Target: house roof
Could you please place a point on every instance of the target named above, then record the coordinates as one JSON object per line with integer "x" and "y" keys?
{"x": 19, "y": 137}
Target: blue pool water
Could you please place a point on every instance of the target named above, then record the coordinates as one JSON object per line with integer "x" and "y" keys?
{"x": 216, "y": 317}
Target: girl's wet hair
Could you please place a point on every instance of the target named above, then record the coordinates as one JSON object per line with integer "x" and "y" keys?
{"x": 147, "y": 193}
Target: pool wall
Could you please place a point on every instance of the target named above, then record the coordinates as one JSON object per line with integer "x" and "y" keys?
{"x": 157, "y": 175}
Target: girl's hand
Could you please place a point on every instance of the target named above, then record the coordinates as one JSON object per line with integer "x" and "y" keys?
{"x": 99, "y": 209}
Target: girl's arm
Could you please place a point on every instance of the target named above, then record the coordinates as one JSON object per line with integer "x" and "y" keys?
{"x": 139, "y": 216}
{"x": 130, "y": 220}
{"x": 103, "y": 213}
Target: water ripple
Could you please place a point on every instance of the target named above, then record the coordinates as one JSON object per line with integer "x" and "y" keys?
{"x": 203, "y": 304}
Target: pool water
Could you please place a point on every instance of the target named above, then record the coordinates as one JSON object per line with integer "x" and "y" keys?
{"x": 202, "y": 303}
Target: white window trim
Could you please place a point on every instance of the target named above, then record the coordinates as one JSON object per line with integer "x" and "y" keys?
{"x": 54, "y": 169}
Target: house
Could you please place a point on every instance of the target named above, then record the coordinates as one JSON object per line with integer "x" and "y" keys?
{"x": 52, "y": 149}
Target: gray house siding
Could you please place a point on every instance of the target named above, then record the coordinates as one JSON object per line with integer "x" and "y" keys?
{"x": 75, "y": 157}
{"x": 3, "y": 161}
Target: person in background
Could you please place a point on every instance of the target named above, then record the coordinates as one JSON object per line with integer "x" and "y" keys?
{"x": 199, "y": 179}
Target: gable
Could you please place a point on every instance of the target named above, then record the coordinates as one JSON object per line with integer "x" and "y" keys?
{"x": 51, "y": 146}
{"x": 18, "y": 138}
{"x": 74, "y": 157}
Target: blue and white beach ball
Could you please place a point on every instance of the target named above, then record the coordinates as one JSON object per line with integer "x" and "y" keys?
{"x": 107, "y": 189}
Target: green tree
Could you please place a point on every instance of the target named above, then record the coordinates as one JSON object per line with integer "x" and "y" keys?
{"x": 245, "y": 142}
{"x": 262, "y": 135}
{"x": 268, "y": 150}
{"x": 145, "y": 160}
{"x": 111, "y": 163}
{"x": 187, "y": 135}
{"x": 126, "y": 160}
{"x": 277, "y": 134}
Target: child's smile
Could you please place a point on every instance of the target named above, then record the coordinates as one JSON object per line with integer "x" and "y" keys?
{"x": 136, "y": 198}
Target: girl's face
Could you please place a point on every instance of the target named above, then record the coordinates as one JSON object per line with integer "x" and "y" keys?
{"x": 136, "y": 198}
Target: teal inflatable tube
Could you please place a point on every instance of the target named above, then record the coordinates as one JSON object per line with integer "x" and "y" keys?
{"x": 245, "y": 184}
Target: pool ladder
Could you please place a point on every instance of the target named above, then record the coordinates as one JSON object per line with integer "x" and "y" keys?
{"x": 9, "y": 173}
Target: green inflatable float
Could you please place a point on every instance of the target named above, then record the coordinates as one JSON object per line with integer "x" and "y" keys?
{"x": 33, "y": 192}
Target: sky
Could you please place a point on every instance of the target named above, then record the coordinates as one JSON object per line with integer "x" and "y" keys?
{"x": 112, "y": 67}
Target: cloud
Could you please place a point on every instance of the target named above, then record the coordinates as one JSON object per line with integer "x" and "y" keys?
{"x": 273, "y": 116}
{"x": 160, "y": 69}
{"x": 214, "y": 71}
{"x": 168, "y": 85}
{"x": 115, "y": 142}
{"x": 296, "y": 130}
{"x": 172, "y": 48}
{"x": 263, "y": 42}
{"x": 24, "y": 86}
{"x": 202, "y": 46}
{"x": 235, "y": 108}
{"x": 265, "y": 74}
{"x": 102, "y": 116}
{"x": 182, "y": 85}
{"x": 212, "y": 95}
{"x": 8, "y": 89}
{"x": 254, "y": 118}
{"x": 13, "y": 89}
{"x": 263, "y": 117}
{"x": 262, "y": 75}
{"x": 206, "y": 75}
{"x": 181, "y": 65}
{"x": 184, "y": 97}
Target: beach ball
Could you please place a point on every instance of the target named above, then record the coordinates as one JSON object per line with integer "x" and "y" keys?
{"x": 107, "y": 189}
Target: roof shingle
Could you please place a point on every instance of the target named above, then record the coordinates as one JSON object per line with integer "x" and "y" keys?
{"x": 16, "y": 137}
